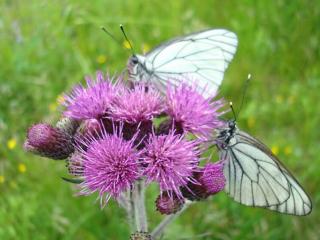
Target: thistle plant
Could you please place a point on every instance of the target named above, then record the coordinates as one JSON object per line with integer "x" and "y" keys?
{"x": 118, "y": 138}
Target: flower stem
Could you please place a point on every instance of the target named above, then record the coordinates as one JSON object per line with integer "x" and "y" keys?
{"x": 166, "y": 221}
{"x": 143, "y": 213}
{"x": 140, "y": 215}
{"x": 130, "y": 211}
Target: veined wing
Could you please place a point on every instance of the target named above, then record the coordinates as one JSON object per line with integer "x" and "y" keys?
{"x": 255, "y": 177}
{"x": 201, "y": 57}
{"x": 298, "y": 203}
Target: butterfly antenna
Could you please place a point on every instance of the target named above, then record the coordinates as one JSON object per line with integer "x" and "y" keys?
{"x": 233, "y": 112}
{"x": 111, "y": 35}
{"x": 126, "y": 38}
{"x": 244, "y": 92}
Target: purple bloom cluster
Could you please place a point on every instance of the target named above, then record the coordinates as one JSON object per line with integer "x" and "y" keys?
{"x": 190, "y": 110}
{"x": 91, "y": 102}
{"x": 170, "y": 160}
{"x": 129, "y": 134}
{"x": 136, "y": 105}
{"x": 110, "y": 164}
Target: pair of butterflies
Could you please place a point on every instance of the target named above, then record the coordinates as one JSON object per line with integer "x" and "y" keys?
{"x": 254, "y": 175}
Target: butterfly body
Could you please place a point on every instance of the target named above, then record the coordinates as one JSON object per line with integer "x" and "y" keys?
{"x": 255, "y": 176}
{"x": 226, "y": 138}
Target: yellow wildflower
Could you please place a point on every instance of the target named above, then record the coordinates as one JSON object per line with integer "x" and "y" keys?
{"x": 279, "y": 99}
{"x": 2, "y": 179}
{"x": 60, "y": 99}
{"x": 22, "y": 168}
{"x": 145, "y": 48}
{"x": 13, "y": 184}
{"x": 275, "y": 150}
{"x": 251, "y": 122}
{"x": 288, "y": 150}
{"x": 291, "y": 99}
{"x": 12, "y": 143}
{"x": 101, "y": 59}
{"x": 53, "y": 107}
{"x": 126, "y": 44}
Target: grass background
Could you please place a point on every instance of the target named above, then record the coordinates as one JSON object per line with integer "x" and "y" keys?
{"x": 47, "y": 46}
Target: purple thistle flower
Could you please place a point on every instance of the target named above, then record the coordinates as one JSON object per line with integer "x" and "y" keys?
{"x": 167, "y": 203}
{"x": 110, "y": 165}
{"x": 47, "y": 141}
{"x": 137, "y": 105}
{"x": 190, "y": 111}
{"x": 93, "y": 101}
{"x": 170, "y": 160}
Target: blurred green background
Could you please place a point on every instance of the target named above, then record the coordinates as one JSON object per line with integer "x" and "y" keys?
{"x": 47, "y": 46}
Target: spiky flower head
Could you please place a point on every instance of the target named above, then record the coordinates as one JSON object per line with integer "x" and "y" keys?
{"x": 167, "y": 203}
{"x": 48, "y": 141}
{"x": 92, "y": 101}
{"x": 140, "y": 104}
{"x": 192, "y": 112}
{"x": 110, "y": 165}
{"x": 170, "y": 160}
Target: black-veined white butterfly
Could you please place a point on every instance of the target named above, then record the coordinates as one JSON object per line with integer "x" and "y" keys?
{"x": 201, "y": 56}
{"x": 255, "y": 176}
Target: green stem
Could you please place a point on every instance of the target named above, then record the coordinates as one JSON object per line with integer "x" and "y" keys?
{"x": 140, "y": 215}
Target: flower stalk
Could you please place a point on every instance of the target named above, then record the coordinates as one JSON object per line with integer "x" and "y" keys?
{"x": 140, "y": 214}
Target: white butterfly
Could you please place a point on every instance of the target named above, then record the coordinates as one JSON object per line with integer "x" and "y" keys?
{"x": 200, "y": 57}
{"x": 255, "y": 177}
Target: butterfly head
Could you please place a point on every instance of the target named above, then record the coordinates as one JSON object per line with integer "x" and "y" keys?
{"x": 232, "y": 125}
{"x": 134, "y": 59}
{"x": 133, "y": 67}
{"x": 136, "y": 68}
{"x": 226, "y": 135}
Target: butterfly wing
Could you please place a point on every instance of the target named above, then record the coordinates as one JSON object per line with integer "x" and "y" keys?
{"x": 298, "y": 202}
{"x": 201, "y": 57}
{"x": 255, "y": 177}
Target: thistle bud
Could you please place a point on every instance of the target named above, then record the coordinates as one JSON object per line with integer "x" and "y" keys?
{"x": 212, "y": 178}
{"x": 195, "y": 191}
{"x": 208, "y": 182}
{"x": 68, "y": 125}
{"x": 47, "y": 141}
{"x": 75, "y": 164}
{"x": 168, "y": 203}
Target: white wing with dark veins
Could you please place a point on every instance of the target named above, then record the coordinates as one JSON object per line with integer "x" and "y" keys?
{"x": 255, "y": 177}
{"x": 199, "y": 57}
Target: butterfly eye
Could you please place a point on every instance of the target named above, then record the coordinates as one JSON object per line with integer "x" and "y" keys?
{"x": 134, "y": 59}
